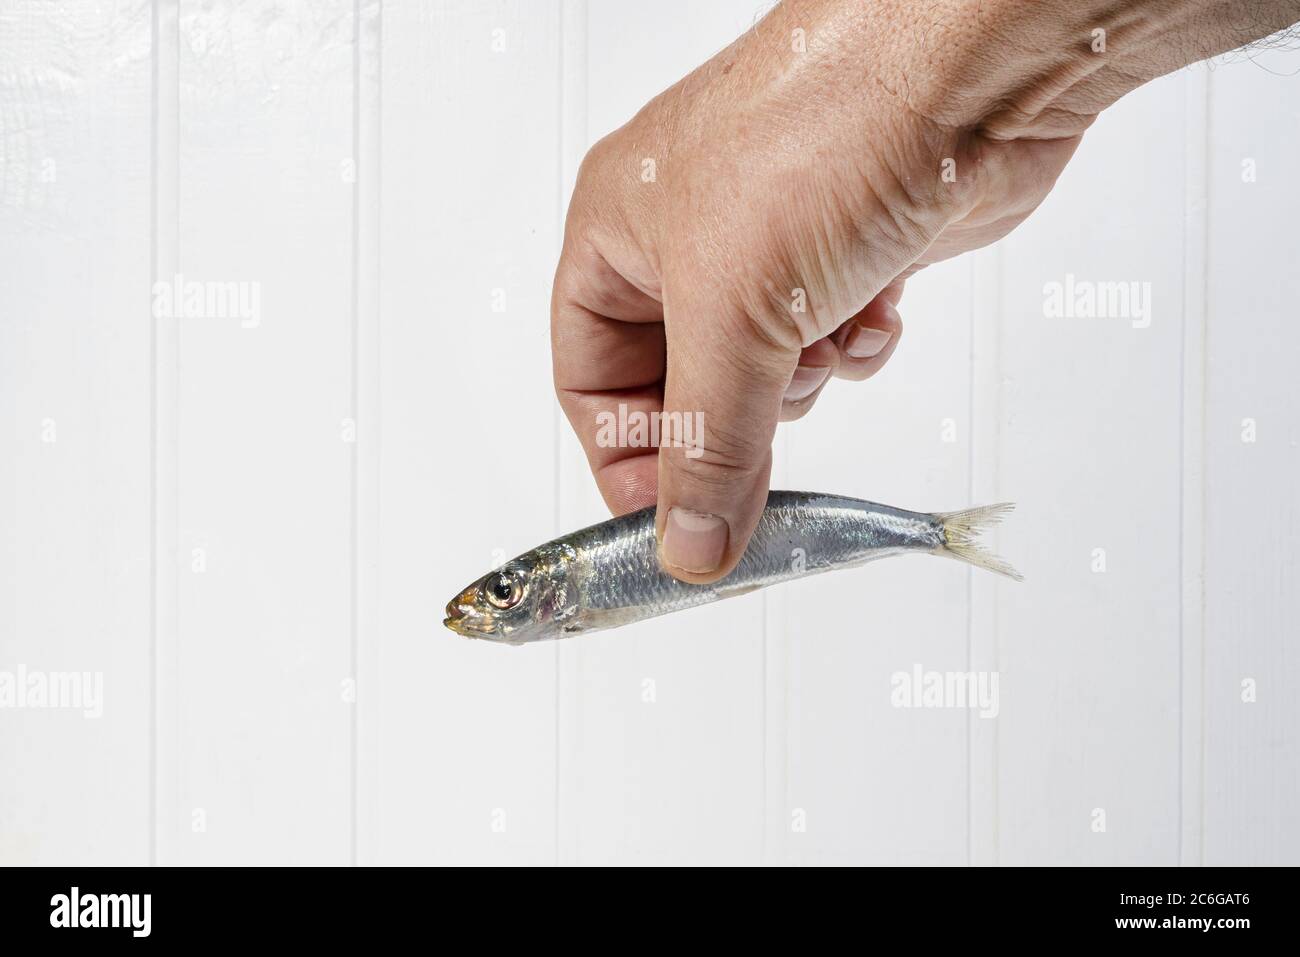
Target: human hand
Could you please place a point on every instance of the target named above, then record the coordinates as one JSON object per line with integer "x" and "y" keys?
{"x": 747, "y": 235}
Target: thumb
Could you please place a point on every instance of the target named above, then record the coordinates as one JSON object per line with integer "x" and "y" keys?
{"x": 723, "y": 386}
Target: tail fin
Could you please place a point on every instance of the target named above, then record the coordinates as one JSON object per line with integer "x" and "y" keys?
{"x": 961, "y": 531}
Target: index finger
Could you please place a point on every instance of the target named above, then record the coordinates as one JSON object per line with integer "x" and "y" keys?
{"x": 608, "y": 361}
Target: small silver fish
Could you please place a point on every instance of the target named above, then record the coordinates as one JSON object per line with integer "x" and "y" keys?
{"x": 608, "y": 575}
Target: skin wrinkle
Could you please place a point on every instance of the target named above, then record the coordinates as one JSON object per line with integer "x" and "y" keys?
{"x": 605, "y": 244}
{"x": 607, "y": 293}
{"x": 822, "y": 170}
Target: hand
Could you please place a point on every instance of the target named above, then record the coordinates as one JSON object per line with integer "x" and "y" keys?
{"x": 747, "y": 235}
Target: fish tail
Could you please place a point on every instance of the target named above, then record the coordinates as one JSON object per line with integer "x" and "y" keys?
{"x": 961, "y": 532}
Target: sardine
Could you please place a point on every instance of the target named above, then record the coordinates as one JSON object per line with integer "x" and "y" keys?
{"x": 608, "y": 575}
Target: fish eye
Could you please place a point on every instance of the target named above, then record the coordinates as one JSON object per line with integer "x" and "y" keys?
{"x": 504, "y": 590}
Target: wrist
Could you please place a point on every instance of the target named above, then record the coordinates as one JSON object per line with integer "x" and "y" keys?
{"x": 1012, "y": 69}
{"x": 1044, "y": 69}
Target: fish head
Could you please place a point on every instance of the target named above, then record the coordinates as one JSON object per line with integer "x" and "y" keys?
{"x": 525, "y": 600}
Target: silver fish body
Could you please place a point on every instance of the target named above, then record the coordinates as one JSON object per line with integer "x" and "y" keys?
{"x": 609, "y": 575}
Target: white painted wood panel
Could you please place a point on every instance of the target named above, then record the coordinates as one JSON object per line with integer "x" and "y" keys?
{"x": 261, "y": 647}
{"x": 1089, "y": 445}
{"x": 459, "y": 736}
{"x": 74, "y": 428}
{"x": 870, "y": 782}
{"x": 1252, "y": 438}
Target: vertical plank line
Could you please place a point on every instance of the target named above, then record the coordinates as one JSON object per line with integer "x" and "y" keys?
{"x": 556, "y": 417}
{"x": 571, "y": 107}
{"x": 164, "y": 361}
{"x": 153, "y": 441}
{"x": 776, "y": 696}
{"x": 354, "y": 360}
{"x": 1191, "y": 842}
{"x": 366, "y": 372}
{"x": 983, "y": 641}
{"x": 971, "y": 319}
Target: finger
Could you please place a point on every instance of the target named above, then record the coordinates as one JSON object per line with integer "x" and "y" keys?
{"x": 867, "y": 340}
{"x": 817, "y": 364}
{"x": 608, "y": 370}
{"x": 613, "y": 428}
{"x": 728, "y": 382}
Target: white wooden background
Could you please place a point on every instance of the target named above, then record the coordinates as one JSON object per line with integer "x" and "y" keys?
{"x": 387, "y": 176}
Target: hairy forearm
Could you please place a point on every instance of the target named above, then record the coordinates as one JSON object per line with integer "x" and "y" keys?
{"x": 1009, "y": 68}
{"x": 1078, "y": 57}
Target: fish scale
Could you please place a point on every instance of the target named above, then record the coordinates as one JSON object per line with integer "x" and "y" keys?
{"x": 609, "y": 575}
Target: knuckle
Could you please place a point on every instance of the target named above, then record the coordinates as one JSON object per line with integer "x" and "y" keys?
{"x": 719, "y": 471}
{"x": 792, "y": 316}
{"x": 938, "y": 167}
{"x": 779, "y": 331}
{"x": 756, "y": 358}
{"x": 595, "y": 161}
{"x": 900, "y": 202}
{"x": 729, "y": 451}
{"x": 907, "y": 225}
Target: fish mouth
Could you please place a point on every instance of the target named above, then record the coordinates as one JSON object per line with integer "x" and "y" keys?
{"x": 455, "y": 620}
{"x": 461, "y": 622}
{"x": 454, "y": 624}
{"x": 458, "y": 625}
{"x": 469, "y": 631}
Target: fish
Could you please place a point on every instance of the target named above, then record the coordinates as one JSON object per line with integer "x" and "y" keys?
{"x": 608, "y": 575}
